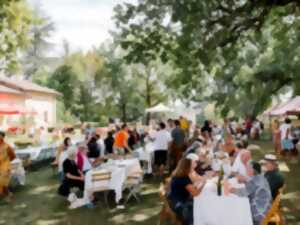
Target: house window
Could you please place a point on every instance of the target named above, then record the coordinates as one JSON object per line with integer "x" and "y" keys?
{"x": 46, "y": 116}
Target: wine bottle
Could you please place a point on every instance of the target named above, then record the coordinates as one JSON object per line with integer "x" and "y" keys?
{"x": 220, "y": 179}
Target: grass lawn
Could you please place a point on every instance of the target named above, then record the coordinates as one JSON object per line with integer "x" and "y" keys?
{"x": 38, "y": 204}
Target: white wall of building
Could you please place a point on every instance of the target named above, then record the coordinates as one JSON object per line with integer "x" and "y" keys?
{"x": 44, "y": 106}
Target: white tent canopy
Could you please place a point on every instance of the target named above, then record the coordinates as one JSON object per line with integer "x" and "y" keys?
{"x": 160, "y": 108}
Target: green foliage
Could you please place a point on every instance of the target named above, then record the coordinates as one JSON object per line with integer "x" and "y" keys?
{"x": 34, "y": 59}
{"x": 236, "y": 53}
{"x": 15, "y": 21}
{"x": 64, "y": 81}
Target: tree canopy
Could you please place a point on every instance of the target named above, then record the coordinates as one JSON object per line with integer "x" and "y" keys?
{"x": 15, "y": 21}
{"x": 237, "y": 53}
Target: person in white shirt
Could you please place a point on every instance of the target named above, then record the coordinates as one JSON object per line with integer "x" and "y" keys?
{"x": 161, "y": 140}
{"x": 286, "y": 137}
{"x": 241, "y": 165}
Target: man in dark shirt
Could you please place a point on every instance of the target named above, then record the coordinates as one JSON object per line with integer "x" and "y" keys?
{"x": 109, "y": 143}
{"x": 177, "y": 146}
{"x": 272, "y": 174}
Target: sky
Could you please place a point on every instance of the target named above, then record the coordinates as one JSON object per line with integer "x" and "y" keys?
{"x": 83, "y": 23}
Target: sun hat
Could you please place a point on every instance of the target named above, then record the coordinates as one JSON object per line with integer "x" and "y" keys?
{"x": 270, "y": 157}
{"x": 192, "y": 156}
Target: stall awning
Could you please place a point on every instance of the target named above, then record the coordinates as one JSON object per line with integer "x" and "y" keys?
{"x": 287, "y": 108}
{"x": 160, "y": 108}
{"x": 14, "y": 109}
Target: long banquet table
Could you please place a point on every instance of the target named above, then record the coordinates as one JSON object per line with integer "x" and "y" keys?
{"x": 120, "y": 170}
{"x": 211, "y": 209}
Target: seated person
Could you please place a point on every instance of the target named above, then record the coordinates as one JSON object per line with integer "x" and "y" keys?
{"x": 73, "y": 176}
{"x": 272, "y": 174}
{"x": 183, "y": 190}
{"x": 258, "y": 191}
{"x": 82, "y": 160}
{"x": 64, "y": 147}
{"x": 240, "y": 166}
{"x": 203, "y": 165}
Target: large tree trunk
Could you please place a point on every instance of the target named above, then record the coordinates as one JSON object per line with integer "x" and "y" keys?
{"x": 124, "y": 112}
{"x": 148, "y": 99}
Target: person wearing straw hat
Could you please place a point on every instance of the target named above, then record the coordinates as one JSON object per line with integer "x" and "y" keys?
{"x": 272, "y": 174}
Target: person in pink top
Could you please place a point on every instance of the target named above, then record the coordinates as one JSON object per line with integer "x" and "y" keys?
{"x": 82, "y": 160}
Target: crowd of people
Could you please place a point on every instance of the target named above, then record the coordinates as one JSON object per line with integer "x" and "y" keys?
{"x": 183, "y": 152}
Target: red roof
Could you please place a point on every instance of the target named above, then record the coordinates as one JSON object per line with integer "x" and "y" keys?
{"x": 25, "y": 85}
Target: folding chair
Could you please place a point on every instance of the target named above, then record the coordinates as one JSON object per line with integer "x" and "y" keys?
{"x": 133, "y": 184}
{"x": 104, "y": 177}
{"x": 274, "y": 215}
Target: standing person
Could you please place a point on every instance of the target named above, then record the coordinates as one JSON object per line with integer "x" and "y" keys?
{"x": 206, "y": 130}
{"x": 88, "y": 132}
{"x": 161, "y": 140}
{"x": 248, "y": 126}
{"x": 109, "y": 142}
{"x": 171, "y": 125}
{"x": 121, "y": 141}
{"x": 272, "y": 174}
{"x": 94, "y": 149}
{"x": 276, "y": 137}
{"x": 286, "y": 137}
{"x": 184, "y": 125}
{"x": 228, "y": 138}
{"x": 7, "y": 155}
{"x": 177, "y": 146}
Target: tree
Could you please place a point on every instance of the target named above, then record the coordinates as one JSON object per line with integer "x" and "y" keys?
{"x": 64, "y": 81}
{"x": 35, "y": 55}
{"x": 85, "y": 103}
{"x": 15, "y": 21}
{"x": 213, "y": 44}
{"x": 118, "y": 85}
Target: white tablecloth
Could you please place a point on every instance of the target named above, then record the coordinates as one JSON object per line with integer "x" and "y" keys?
{"x": 39, "y": 152}
{"x": 120, "y": 170}
{"x": 211, "y": 209}
{"x": 18, "y": 171}
{"x": 146, "y": 154}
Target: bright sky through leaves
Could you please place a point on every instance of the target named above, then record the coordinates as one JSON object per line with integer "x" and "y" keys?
{"x": 83, "y": 23}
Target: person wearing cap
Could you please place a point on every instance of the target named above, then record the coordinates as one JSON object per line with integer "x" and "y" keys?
{"x": 73, "y": 177}
{"x": 272, "y": 174}
{"x": 258, "y": 191}
{"x": 7, "y": 155}
{"x": 183, "y": 189}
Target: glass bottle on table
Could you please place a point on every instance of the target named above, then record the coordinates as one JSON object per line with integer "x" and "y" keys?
{"x": 220, "y": 180}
